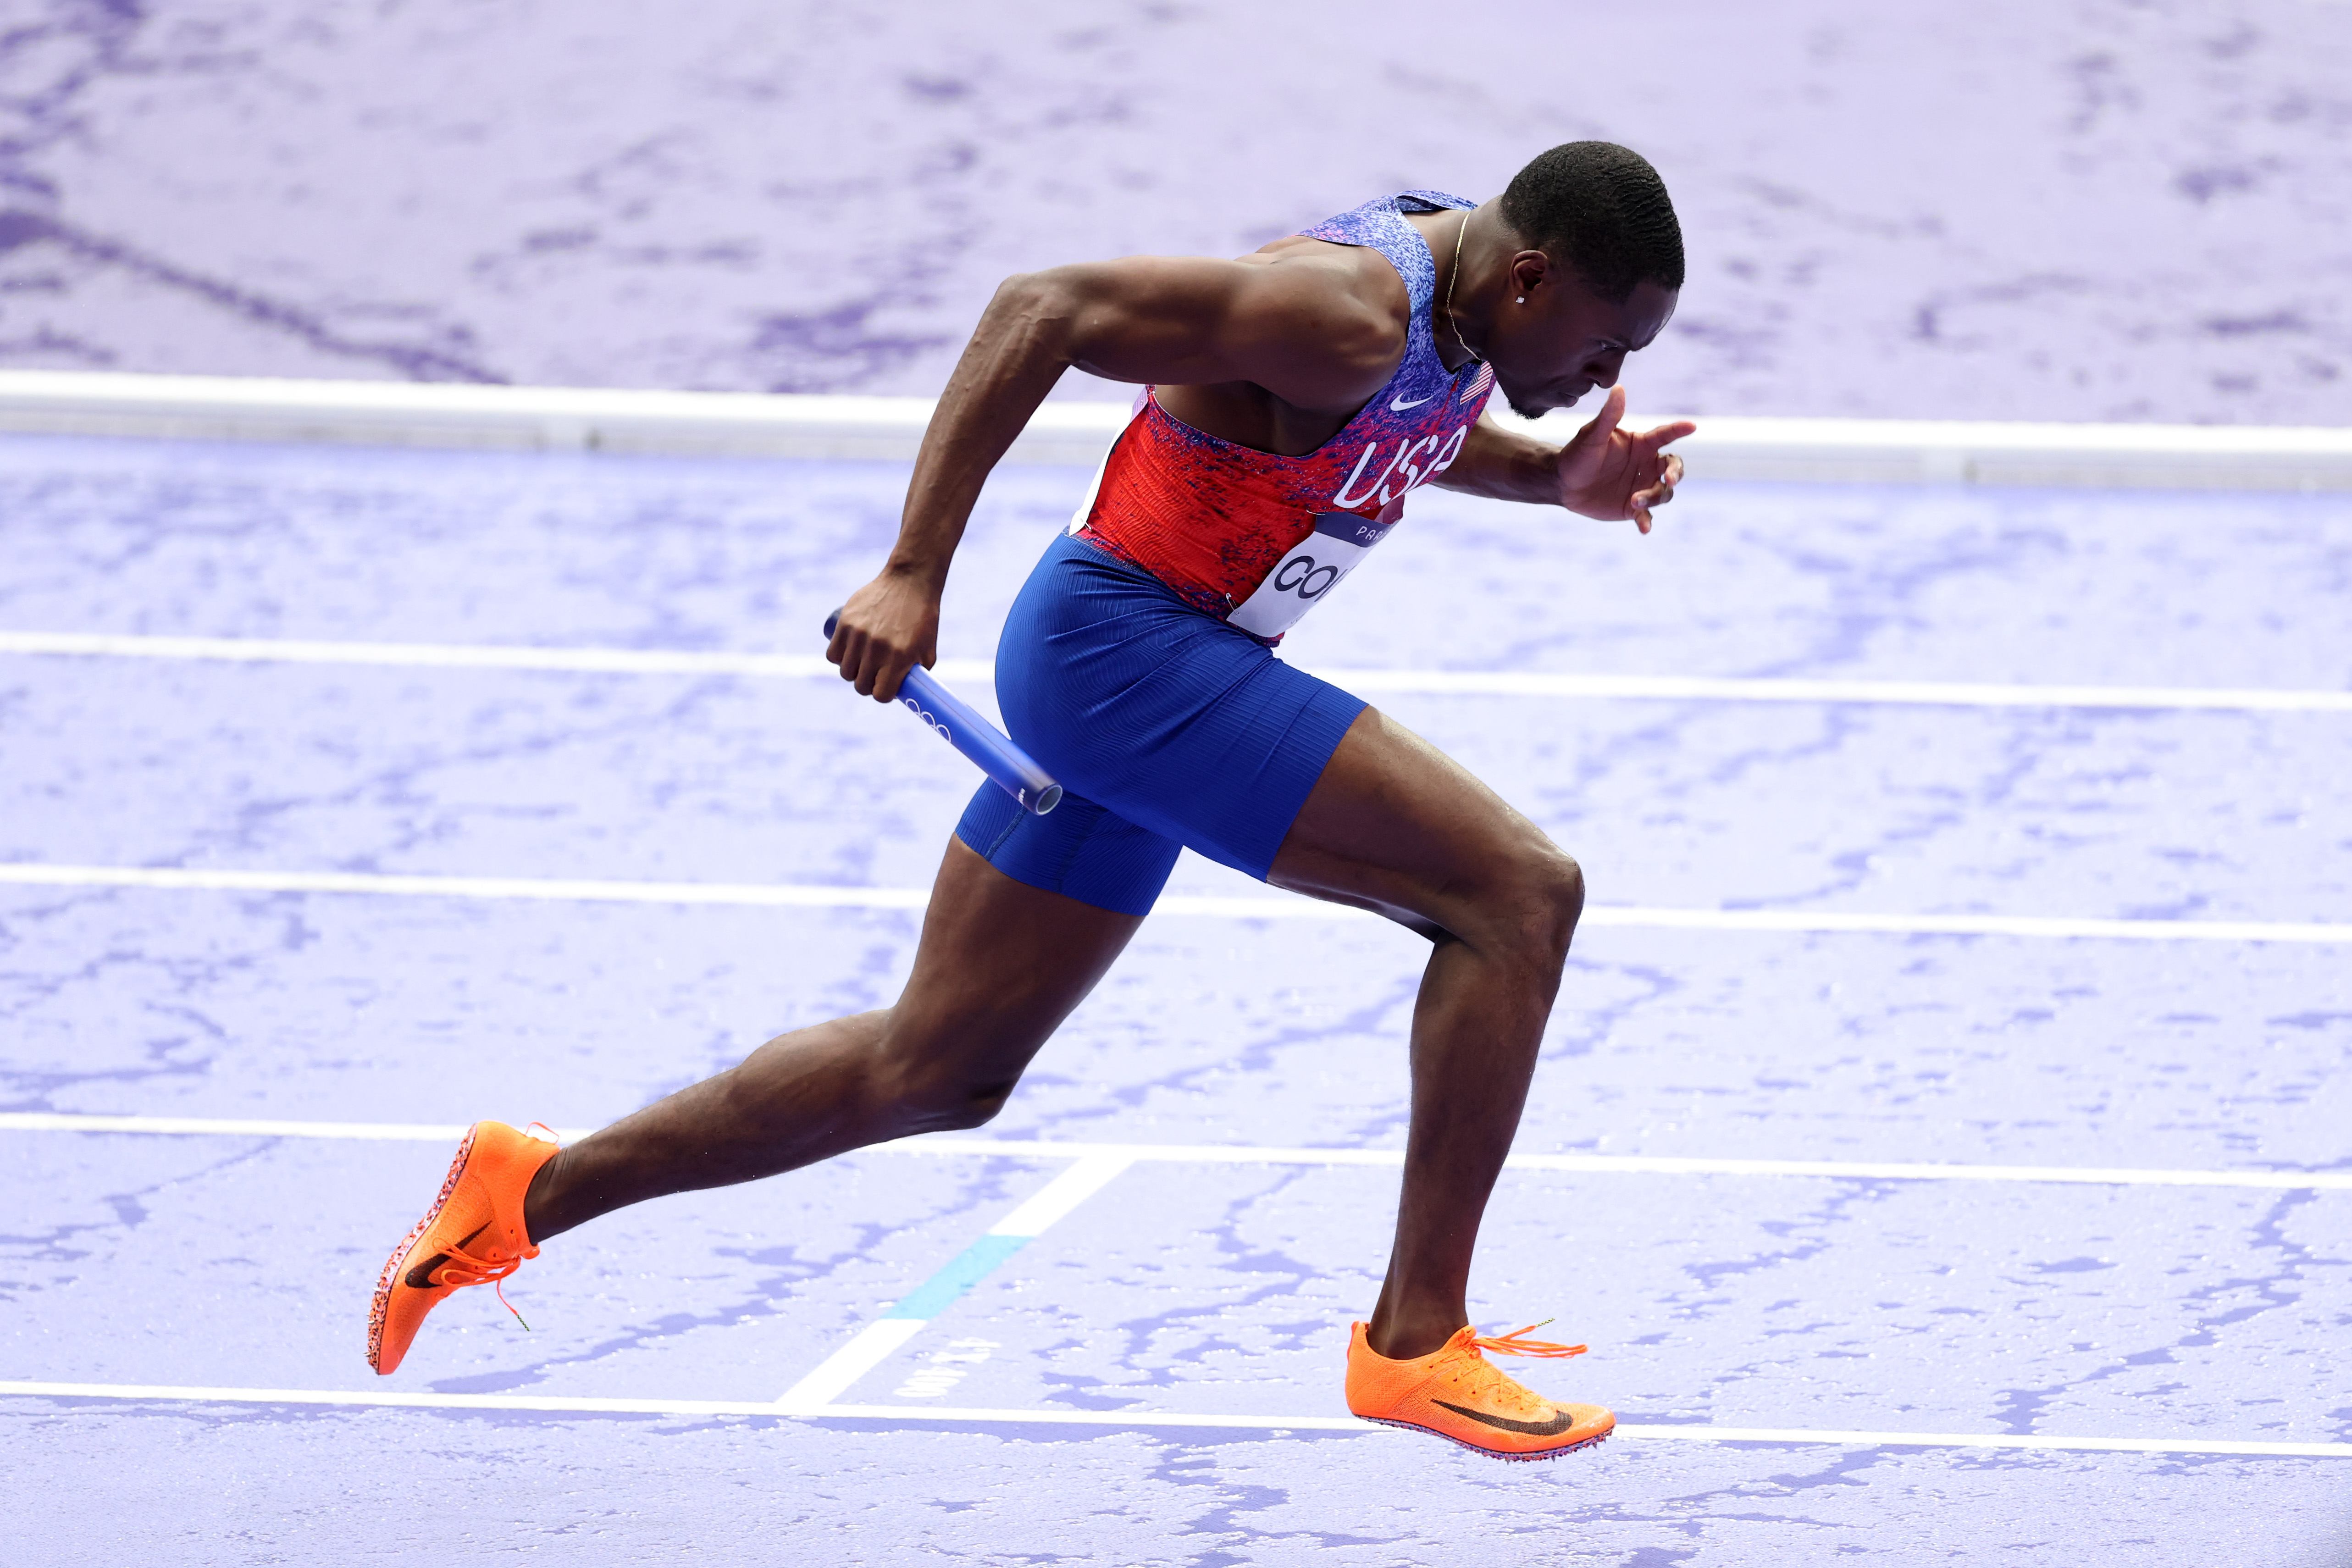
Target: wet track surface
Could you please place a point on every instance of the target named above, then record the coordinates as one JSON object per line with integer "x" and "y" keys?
{"x": 1214, "y": 1286}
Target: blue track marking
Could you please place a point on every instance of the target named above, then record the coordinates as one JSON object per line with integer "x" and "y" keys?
{"x": 968, "y": 1269}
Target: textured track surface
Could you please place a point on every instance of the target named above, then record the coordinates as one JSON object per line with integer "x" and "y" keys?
{"x": 1212, "y": 1290}
{"x": 2109, "y": 209}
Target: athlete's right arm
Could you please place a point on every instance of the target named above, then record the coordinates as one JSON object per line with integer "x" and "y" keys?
{"x": 1293, "y": 322}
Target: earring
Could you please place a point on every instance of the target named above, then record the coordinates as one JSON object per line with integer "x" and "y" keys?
{"x": 1523, "y": 298}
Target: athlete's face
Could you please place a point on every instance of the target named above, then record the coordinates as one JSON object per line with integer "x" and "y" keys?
{"x": 1567, "y": 340}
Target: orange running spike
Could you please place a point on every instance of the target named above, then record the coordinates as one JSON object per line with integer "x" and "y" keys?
{"x": 1453, "y": 1392}
{"x": 473, "y": 1235}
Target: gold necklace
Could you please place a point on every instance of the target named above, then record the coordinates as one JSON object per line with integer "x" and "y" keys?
{"x": 1451, "y": 318}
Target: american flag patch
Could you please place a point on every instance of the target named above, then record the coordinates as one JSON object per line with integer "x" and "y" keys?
{"x": 1478, "y": 384}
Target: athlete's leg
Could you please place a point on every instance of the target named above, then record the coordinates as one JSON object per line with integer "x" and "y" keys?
{"x": 1394, "y": 824}
{"x": 999, "y": 966}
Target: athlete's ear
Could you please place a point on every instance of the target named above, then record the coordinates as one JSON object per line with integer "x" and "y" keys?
{"x": 1528, "y": 269}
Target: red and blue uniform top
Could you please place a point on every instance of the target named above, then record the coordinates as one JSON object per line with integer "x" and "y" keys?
{"x": 1257, "y": 538}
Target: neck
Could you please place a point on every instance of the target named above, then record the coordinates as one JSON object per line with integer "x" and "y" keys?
{"x": 1464, "y": 320}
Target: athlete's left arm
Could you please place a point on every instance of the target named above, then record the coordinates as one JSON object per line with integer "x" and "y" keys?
{"x": 1603, "y": 471}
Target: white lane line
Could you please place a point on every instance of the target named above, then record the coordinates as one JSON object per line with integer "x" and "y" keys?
{"x": 816, "y": 896}
{"x": 1988, "y": 1440}
{"x": 1051, "y": 1204}
{"x": 1826, "y": 922}
{"x": 1129, "y": 1420}
{"x": 1921, "y": 693}
{"x": 243, "y": 1127}
{"x": 832, "y": 1377}
{"x": 1432, "y": 682}
{"x": 760, "y": 895}
{"x": 418, "y": 656}
{"x": 1119, "y": 1154}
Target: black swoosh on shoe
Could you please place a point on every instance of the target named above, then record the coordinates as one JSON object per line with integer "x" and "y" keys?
{"x": 1559, "y": 1423}
{"x": 421, "y": 1277}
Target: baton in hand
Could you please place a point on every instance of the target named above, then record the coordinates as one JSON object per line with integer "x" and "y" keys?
{"x": 962, "y": 727}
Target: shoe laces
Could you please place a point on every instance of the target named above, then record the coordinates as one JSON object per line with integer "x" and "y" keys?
{"x": 1483, "y": 1382}
{"x": 465, "y": 1268}
{"x": 1517, "y": 1343}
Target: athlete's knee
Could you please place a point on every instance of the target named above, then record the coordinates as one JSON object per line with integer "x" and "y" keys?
{"x": 1557, "y": 888}
{"x": 1564, "y": 885}
{"x": 957, "y": 1105}
{"x": 939, "y": 1097}
{"x": 924, "y": 1085}
{"x": 1538, "y": 900}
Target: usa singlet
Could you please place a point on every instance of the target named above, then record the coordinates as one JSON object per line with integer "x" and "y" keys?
{"x": 1257, "y": 539}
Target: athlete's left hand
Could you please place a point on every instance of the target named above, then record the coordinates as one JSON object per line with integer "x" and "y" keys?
{"x": 1609, "y": 473}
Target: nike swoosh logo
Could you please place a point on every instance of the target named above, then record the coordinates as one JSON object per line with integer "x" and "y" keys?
{"x": 1551, "y": 1428}
{"x": 421, "y": 1277}
{"x": 1397, "y": 405}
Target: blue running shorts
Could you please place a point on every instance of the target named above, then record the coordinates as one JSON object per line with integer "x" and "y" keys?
{"x": 1166, "y": 727}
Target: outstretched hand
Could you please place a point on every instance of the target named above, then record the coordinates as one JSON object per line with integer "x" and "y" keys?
{"x": 887, "y": 628}
{"x": 1609, "y": 473}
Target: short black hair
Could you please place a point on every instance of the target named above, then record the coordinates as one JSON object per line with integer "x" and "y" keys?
{"x": 1602, "y": 209}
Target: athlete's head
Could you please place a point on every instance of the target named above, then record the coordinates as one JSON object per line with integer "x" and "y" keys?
{"x": 1597, "y": 268}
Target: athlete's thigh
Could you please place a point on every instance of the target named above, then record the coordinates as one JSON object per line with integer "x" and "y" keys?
{"x": 1395, "y": 824}
{"x": 1000, "y": 966}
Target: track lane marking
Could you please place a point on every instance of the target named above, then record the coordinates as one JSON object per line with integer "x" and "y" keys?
{"x": 818, "y": 896}
{"x": 1253, "y": 1154}
{"x": 826, "y": 1383}
{"x": 1129, "y": 1420}
{"x": 422, "y": 656}
{"x": 1438, "y": 682}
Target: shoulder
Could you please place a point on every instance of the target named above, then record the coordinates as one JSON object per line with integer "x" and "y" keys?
{"x": 1342, "y": 305}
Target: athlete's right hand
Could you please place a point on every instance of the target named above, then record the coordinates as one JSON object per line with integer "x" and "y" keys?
{"x": 887, "y": 628}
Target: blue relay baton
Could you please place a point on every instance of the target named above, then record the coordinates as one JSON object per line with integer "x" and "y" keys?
{"x": 961, "y": 726}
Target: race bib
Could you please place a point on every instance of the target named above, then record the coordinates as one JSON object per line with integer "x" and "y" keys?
{"x": 1313, "y": 568}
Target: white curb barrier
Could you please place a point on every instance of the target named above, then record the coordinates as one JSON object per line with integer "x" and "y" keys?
{"x": 754, "y": 425}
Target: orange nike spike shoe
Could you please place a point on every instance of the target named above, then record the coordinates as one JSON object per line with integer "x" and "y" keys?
{"x": 473, "y": 1235}
{"x": 1455, "y": 1392}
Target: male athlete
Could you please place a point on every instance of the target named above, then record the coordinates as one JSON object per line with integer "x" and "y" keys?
{"x": 1293, "y": 398}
